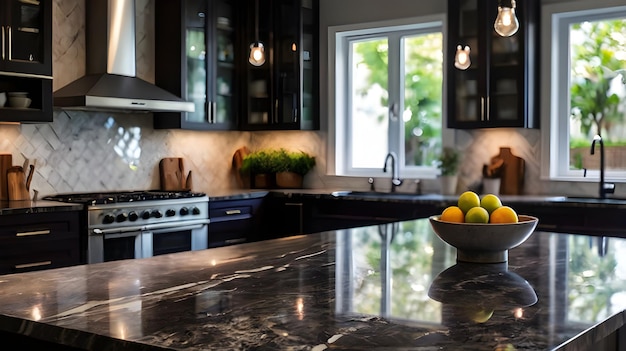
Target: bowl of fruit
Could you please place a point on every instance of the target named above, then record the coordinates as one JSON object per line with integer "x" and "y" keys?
{"x": 482, "y": 229}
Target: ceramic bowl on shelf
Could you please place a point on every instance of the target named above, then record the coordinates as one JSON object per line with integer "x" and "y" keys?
{"x": 484, "y": 242}
{"x": 19, "y": 101}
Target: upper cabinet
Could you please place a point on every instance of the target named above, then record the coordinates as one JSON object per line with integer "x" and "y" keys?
{"x": 26, "y": 60}
{"x": 283, "y": 92}
{"x": 499, "y": 88}
{"x": 196, "y": 60}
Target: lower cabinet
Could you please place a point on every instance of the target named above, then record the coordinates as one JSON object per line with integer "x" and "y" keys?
{"x": 37, "y": 241}
{"x": 234, "y": 221}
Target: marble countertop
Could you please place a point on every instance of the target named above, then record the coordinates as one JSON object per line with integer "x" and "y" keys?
{"x": 28, "y": 206}
{"x": 391, "y": 287}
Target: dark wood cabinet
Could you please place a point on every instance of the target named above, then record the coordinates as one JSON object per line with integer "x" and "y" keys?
{"x": 499, "y": 88}
{"x": 37, "y": 241}
{"x": 283, "y": 92}
{"x": 196, "y": 59}
{"x": 26, "y": 58}
{"x": 234, "y": 221}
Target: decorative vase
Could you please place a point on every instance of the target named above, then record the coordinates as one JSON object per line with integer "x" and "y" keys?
{"x": 491, "y": 186}
{"x": 289, "y": 180}
{"x": 448, "y": 184}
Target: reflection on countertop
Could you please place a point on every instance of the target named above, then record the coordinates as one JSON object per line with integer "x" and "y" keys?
{"x": 374, "y": 287}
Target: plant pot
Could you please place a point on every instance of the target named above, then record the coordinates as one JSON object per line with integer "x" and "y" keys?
{"x": 262, "y": 181}
{"x": 448, "y": 184}
{"x": 289, "y": 180}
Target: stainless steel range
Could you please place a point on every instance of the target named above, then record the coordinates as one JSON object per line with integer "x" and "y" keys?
{"x": 138, "y": 224}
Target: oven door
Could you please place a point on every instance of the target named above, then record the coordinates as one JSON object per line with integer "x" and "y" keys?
{"x": 147, "y": 241}
{"x": 176, "y": 239}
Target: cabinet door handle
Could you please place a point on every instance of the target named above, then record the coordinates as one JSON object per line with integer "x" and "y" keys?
{"x": 487, "y": 108}
{"x": 482, "y": 108}
{"x": 34, "y": 232}
{"x": 276, "y": 116}
{"x": 9, "y": 35}
{"x": 2, "y": 41}
{"x": 233, "y": 212}
{"x": 213, "y": 112}
{"x": 34, "y": 264}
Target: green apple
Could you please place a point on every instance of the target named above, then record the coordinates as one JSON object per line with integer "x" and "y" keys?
{"x": 468, "y": 200}
{"x": 490, "y": 202}
{"x": 477, "y": 215}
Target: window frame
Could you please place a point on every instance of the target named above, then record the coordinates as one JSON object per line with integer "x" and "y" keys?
{"x": 555, "y": 99}
{"x": 339, "y": 95}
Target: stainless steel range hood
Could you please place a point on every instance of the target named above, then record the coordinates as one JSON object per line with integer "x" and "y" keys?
{"x": 110, "y": 83}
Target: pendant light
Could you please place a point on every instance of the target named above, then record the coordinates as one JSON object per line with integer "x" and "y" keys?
{"x": 506, "y": 23}
{"x": 462, "y": 57}
{"x": 257, "y": 51}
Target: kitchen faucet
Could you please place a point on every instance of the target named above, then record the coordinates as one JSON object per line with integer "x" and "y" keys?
{"x": 605, "y": 188}
{"x": 395, "y": 173}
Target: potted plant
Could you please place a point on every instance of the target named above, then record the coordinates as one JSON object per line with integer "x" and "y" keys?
{"x": 281, "y": 168}
{"x": 261, "y": 168}
{"x": 448, "y": 163}
{"x": 291, "y": 166}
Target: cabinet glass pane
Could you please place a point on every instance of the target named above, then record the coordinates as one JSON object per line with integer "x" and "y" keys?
{"x": 25, "y": 32}
{"x": 288, "y": 62}
{"x": 196, "y": 74}
{"x": 225, "y": 67}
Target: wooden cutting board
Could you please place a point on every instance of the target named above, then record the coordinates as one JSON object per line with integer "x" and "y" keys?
{"x": 6, "y": 162}
{"x": 172, "y": 174}
{"x": 512, "y": 182}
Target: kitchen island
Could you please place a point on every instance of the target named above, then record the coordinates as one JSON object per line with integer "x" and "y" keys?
{"x": 394, "y": 287}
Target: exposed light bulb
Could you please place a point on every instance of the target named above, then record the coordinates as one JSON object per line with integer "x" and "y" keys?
{"x": 462, "y": 57}
{"x": 257, "y": 54}
{"x": 506, "y": 23}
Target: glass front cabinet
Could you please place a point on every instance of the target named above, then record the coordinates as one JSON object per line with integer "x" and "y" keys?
{"x": 196, "y": 60}
{"x": 499, "y": 88}
{"x": 26, "y": 60}
{"x": 282, "y": 93}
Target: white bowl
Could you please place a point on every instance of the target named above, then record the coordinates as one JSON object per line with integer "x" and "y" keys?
{"x": 19, "y": 101}
{"x": 484, "y": 242}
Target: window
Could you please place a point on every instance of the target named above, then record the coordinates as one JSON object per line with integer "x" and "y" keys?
{"x": 388, "y": 96}
{"x": 585, "y": 90}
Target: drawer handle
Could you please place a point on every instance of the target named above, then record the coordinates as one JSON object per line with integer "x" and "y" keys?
{"x": 233, "y": 212}
{"x": 34, "y": 232}
{"x": 34, "y": 264}
{"x": 235, "y": 241}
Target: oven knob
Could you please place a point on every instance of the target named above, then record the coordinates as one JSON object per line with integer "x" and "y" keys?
{"x": 122, "y": 217}
{"x": 133, "y": 216}
{"x": 157, "y": 214}
{"x": 108, "y": 219}
{"x": 184, "y": 211}
{"x": 145, "y": 215}
{"x": 195, "y": 211}
{"x": 170, "y": 213}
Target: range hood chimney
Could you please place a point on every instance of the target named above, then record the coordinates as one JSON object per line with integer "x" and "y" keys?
{"x": 110, "y": 83}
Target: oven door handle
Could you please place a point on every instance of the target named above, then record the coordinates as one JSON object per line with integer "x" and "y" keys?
{"x": 186, "y": 225}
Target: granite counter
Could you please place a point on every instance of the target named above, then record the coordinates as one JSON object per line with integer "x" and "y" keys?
{"x": 389, "y": 287}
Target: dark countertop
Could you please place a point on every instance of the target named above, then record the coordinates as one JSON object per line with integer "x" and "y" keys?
{"x": 390, "y": 287}
{"x": 27, "y": 206}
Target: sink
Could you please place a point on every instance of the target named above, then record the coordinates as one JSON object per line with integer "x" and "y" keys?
{"x": 386, "y": 195}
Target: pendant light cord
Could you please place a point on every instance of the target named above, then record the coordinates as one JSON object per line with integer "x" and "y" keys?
{"x": 256, "y": 20}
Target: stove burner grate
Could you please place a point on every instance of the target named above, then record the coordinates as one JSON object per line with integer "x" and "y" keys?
{"x": 122, "y": 196}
